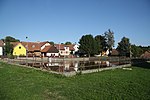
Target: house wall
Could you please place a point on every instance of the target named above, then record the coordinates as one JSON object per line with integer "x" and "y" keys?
{"x": 76, "y": 48}
{"x": 19, "y": 50}
{"x": 37, "y": 53}
{"x": 1, "y": 51}
{"x": 52, "y": 54}
{"x": 64, "y": 52}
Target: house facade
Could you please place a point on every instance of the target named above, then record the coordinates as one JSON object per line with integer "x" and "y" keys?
{"x": 44, "y": 49}
{"x": 50, "y": 51}
{"x": 19, "y": 50}
{"x": 1, "y": 47}
{"x": 146, "y": 55}
{"x": 28, "y": 48}
{"x": 63, "y": 49}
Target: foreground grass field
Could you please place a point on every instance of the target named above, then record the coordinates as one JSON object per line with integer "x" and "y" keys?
{"x": 18, "y": 83}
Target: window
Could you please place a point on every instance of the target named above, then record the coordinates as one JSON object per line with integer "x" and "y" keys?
{"x": 19, "y": 47}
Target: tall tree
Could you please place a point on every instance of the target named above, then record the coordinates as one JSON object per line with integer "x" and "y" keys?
{"x": 8, "y": 48}
{"x": 88, "y": 45}
{"x": 109, "y": 35}
{"x": 124, "y": 47}
{"x": 101, "y": 41}
{"x": 10, "y": 39}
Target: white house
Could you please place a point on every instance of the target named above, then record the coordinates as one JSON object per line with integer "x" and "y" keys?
{"x": 1, "y": 47}
{"x": 64, "y": 50}
{"x": 76, "y": 48}
{"x": 50, "y": 51}
{"x": 44, "y": 44}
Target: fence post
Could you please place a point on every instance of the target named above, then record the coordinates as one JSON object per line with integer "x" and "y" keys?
{"x": 99, "y": 64}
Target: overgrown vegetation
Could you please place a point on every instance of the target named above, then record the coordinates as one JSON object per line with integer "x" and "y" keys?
{"x": 18, "y": 83}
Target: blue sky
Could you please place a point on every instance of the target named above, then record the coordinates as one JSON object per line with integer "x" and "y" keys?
{"x": 68, "y": 20}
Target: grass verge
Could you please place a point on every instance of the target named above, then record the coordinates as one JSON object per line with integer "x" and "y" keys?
{"x": 18, "y": 83}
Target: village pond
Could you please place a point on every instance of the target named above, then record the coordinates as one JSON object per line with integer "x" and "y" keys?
{"x": 64, "y": 65}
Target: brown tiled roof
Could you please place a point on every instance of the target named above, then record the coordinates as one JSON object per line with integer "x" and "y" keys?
{"x": 46, "y": 49}
{"x": 1, "y": 43}
{"x": 31, "y": 46}
{"x": 114, "y": 52}
{"x": 62, "y": 46}
{"x": 71, "y": 47}
{"x": 42, "y": 43}
{"x": 50, "y": 49}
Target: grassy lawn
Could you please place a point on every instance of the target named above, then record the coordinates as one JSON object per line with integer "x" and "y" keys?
{"x": 18, "y": 83}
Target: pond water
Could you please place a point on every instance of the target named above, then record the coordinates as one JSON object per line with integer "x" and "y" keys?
{"x": 78, "y": 65}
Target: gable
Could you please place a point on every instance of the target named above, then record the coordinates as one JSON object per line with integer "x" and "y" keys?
{"x": 1, "y": 43}
{"x": 19, "y": 49}
{"x": 50, "y": 49}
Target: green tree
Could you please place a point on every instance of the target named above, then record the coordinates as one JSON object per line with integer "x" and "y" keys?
{"x": 101, "y": 41}
{"x": 136, "y": 51}
{"x": 109, "y": 35}
{"x": 124, "y": 47}
{"x": 145, "y": 48}
{"x": 10, "y": 39}
{"x": 8, "y": 48}
{"x": 88, "y": 45}
{"x": 51, "y": 42}
{"x": 68, "y": 43}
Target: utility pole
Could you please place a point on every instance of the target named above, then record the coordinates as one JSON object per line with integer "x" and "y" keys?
{"x": 27, "y": 52}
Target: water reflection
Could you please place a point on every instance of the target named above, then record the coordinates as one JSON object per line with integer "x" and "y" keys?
{"x": 76, "y": 65}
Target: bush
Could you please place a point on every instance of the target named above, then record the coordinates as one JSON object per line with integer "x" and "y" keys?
{"x": 10, "y": 56}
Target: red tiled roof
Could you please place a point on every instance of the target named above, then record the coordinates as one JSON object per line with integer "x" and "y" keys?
{"x": 62, "y": 46}
{"x": 1, "y": 43}
{"x": 31, "y": 46}
{"x": 146, "y": 55}
{"x": 114, "y": 52}
{"x": 42, "y": 43}
{"x": 50, "y": 49}
{"x": 71, "y": 47}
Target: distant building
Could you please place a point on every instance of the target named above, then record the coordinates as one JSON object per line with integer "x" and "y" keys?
{"x": 31, "y": 48}
{"x": 146, "y": 55}
{"x": 50, "y": 51}
{"x": 114, "y": 52}
{"x": 43, "y": 49}
{"x": 1, "y": 47}
{"x": 19, "y": 50}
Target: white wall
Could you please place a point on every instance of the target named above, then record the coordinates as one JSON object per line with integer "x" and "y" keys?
{"x": 49, "y": 54}
{"x": 1, "y": 51}
{"x": 76, "y": 48}
{"x": 64, "y": 52}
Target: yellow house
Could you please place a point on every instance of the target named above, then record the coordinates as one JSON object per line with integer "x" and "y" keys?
{"x": 19, "y": 50}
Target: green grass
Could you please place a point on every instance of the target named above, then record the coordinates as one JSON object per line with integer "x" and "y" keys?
{"x": 18, "y": 83}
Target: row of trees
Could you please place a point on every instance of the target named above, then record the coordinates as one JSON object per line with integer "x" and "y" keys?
{"x": 95, "y": 45}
